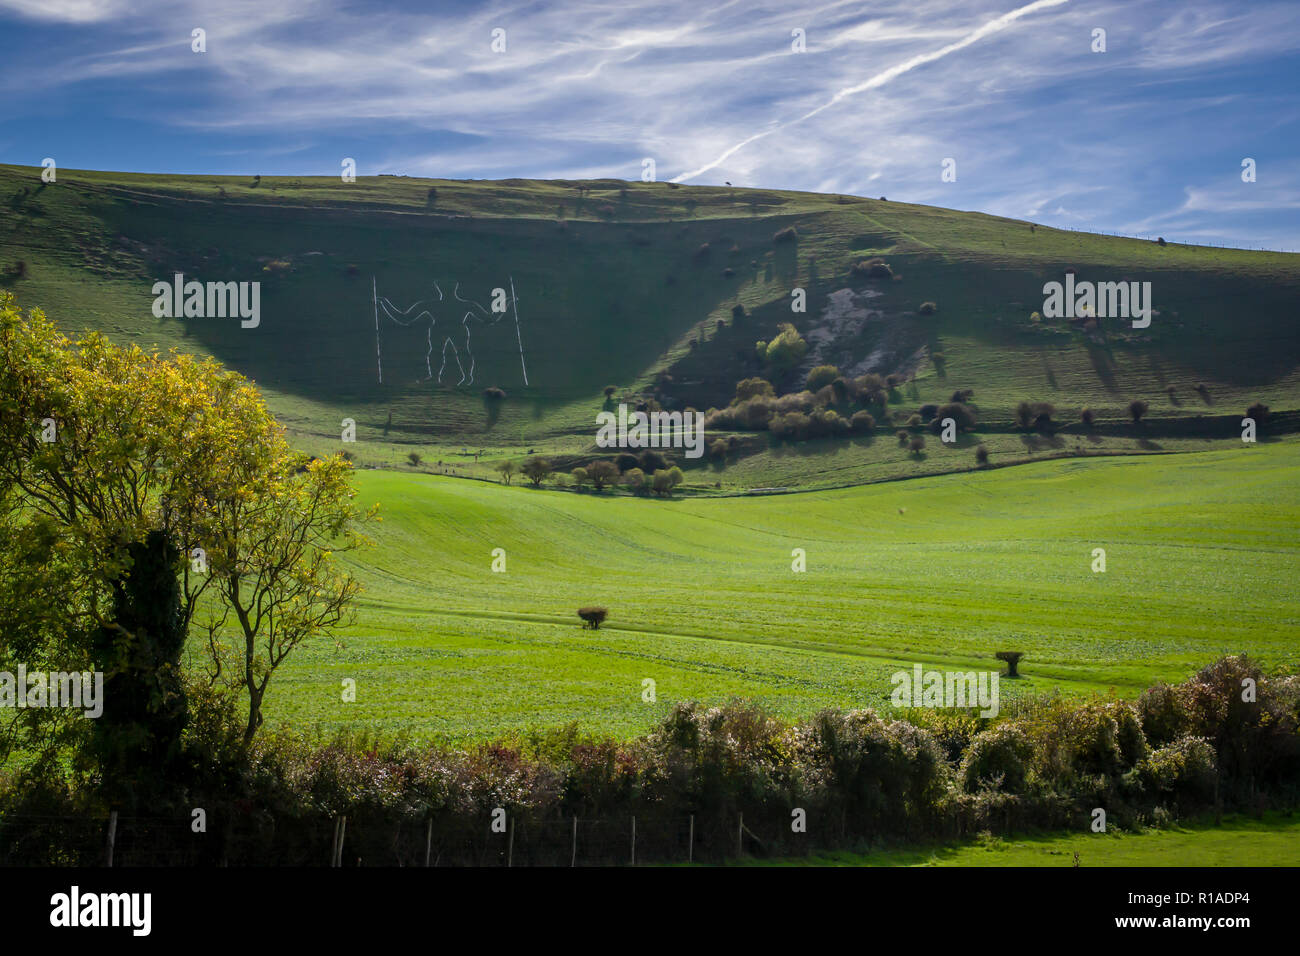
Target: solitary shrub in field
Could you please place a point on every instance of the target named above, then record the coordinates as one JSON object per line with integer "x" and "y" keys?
{"x": 981, "y": 455}
{"x": 537, "y": 470}
{"x": 602, "y": 473}
{"x": 1087, "y": 417}
{"x": 493, "y": 394}
{"x": 902, "y": 437}
{"x": 917, "y": 445}
{"x": 737, "y": 313}
{"x": 1012, "y": 659}
{"x": 610, "y": 390}
{"x": 928, "y": 308}
{"x": 788, "y": 234}
{"x": 822, "y": 376}
{"x": 862, "y": 422}
{"x": 593, "y": 616}
{"x": 414, "y": 458}
{"x": 1136, "y": 409}
{"x": 507, "y": 470}
{"x": 1258, "y": 411}
{"x": 718, "y": 450}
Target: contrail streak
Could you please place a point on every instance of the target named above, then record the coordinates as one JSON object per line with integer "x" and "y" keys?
{"x": 880, "y": 79}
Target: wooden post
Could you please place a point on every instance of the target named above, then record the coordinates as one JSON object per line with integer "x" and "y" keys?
{"x": 634, "y": 841}
{"x": 428, "y": 841}
{"x": 740, "y": 837}
{"x": 690, "y": 846}
{"x": 334, "y": 844}
{"x": 510, "y": 843}
{"x": 112, "y": 834}
{"x": 343, "y": 830}
{"x": 573, "y": 861}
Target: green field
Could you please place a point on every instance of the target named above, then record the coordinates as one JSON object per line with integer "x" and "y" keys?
{"x": 1201, "y": 553}
{"x": 1273, "y": 840}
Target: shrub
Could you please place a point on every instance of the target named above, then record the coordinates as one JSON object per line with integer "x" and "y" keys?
{"x": 981, "y": 455}
{"x": 862, "y": 422}
{"x": 917, "y": 445}
{"x": 959, "y": 413}
{"x": 902, "y": 437}
{"x": 927, "y": 308}
{"x": 1136, "y": 409}
{"x": 1259, "y": 412}
{"x": 537, "y": 470}
{"x": 927, "y": 411}
{"x": 414, "y": 459}
{"x": 872, "y": 269}
{"x": 821, "y": 376}
{"x": 1185, "y": 768}
{"x": 507, "y": 470}
{"x": 651, "y": 461}
{"x": 998, "y": 759}
{"x": 914, "y": 421}
{"x": 1012, "y": 660}
{"x": 788, "y": 234}
{"x": 579, "y": 477}
{"x": 634, "y": 478}
{"x": 1086, "y": 416}
{"x": 665, "y": 480}
{"x": 1036, "y": 414}
{"x": 718, "y": 450}
{"x": 785, "y": 351}
{"x": 756, "y": 387}
{"x": 962, "y": 395}
{"x": 493, "y": 393}
{"x": 593, "y": 616}
{"x": 610, "y": 390}
{"x": 625, "y": 461}
{"x": 602, "y": 473}
{"x": 738, "y": 312}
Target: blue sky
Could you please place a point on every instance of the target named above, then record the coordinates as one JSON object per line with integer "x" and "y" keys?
{"x": 1146, "y": 138}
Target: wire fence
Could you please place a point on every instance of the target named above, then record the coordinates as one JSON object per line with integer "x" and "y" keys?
{"x": 260, "y": 839}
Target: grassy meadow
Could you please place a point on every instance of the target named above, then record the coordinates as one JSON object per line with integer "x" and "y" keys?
{"x": 945, "y": 571}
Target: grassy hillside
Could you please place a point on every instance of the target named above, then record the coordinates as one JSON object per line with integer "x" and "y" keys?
{"x": 614, "y": 282}
{"x": 1201, "y": 555}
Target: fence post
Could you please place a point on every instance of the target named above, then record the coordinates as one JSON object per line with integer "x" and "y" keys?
{"x": 634, "y": 841}
{"x": 740, "y": 837}
{"x": 690, "y": 846}
{"x": 343, "y": 830}
{"x": 428, "y": 841}
{"x": 510, "y": 844}
{"x": 573, "y": 861}
{"x": 112, "y": 834}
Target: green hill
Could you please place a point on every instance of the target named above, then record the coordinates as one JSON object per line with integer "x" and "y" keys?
{"x": 615, "y": 281}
